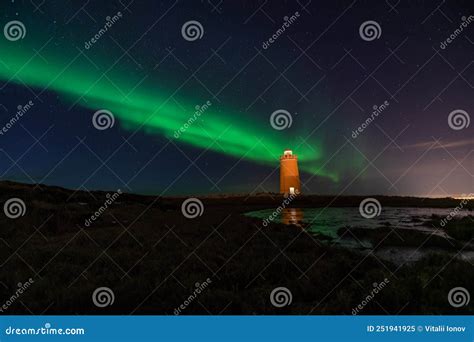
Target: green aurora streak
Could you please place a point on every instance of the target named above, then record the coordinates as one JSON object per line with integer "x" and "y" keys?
{"x": 145, "y": 107}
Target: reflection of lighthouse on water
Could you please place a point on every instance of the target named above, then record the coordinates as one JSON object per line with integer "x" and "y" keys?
{"x": 292, "y": 216}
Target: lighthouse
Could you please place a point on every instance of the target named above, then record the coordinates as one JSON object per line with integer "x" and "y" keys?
{"x": 289, "y": 174}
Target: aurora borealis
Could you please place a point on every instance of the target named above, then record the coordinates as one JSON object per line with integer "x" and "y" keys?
{"x": 148, "y": 110}
{"x": 152, "y": 80}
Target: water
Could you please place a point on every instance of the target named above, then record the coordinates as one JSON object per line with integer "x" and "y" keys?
{"x": 325, "y": 223}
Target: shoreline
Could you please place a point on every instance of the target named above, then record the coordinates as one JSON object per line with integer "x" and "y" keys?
{"x": 258, "y": 200}
{"x": 151, "y": 256}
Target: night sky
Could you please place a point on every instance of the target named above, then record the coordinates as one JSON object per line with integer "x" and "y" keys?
{"x": 322, "y": 73}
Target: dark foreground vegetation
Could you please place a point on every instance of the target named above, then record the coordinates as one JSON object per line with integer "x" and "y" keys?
{"x": 152, "y": 257}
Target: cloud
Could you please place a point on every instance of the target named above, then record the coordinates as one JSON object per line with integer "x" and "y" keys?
{"x": 442, "y": 145}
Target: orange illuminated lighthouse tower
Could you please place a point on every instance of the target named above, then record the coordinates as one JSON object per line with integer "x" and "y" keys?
{"x": 289, "y": 174}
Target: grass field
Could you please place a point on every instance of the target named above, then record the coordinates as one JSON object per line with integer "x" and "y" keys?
{"x": 153, "y": 258}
